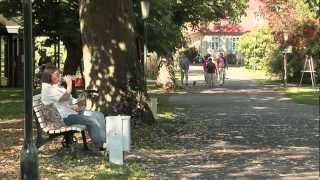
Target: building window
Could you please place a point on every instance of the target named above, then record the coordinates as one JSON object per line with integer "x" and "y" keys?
{"x": 217, "y": 43}
{"x": 232, "y": 43}
{"x": 258, "y": 18}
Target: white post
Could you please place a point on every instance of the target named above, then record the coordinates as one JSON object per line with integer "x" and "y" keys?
{"x": 126, "y": 137}
{"x": 154, "y": 108}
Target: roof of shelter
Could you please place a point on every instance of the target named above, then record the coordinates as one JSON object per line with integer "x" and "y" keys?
{"x": 8, "y": 26}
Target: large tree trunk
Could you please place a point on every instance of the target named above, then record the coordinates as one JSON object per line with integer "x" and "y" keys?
{"x": 111, "y": 65}
{"x": 74, "y": 54}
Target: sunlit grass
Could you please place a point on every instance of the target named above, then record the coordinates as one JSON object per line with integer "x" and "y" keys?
{"x": 259, "y": 75}
{"x": 269, "y": 81}
{"x": 302, "y": 95}
{"x": 167, "y": 116}
{"x": 165, "y": 110}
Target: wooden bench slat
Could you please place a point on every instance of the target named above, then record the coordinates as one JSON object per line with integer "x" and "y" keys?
{"x": 46, "y": 130}
{"x": 57, "y": 131}
{"x": 43, "y": 125}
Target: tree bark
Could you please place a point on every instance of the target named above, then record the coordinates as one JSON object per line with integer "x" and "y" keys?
{"x": 74, "y": 54}
{"x": 111, "y": 64}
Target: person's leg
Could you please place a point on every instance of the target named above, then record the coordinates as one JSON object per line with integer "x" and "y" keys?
{"x": 224, "y": 75}
{"x": 210, "y": 79}
{"x": 213, "y": 79}
{"x": 182, "y": 76}
{"x": 187, "y": 71}
{"x": 96, "y": 132}
{"x": 99, "y": 116}
{"x": 218, "y": 75}
{"x": 205, "y": 75}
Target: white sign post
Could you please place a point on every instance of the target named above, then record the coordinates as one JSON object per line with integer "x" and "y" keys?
{"x": 154, "y": 106}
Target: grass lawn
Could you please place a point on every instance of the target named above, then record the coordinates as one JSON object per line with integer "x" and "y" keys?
{"x": 302, "y": 95}
{"x": 11, "y": 103}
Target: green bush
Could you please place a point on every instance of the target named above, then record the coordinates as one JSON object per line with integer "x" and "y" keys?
{"x": 257, "y": 48}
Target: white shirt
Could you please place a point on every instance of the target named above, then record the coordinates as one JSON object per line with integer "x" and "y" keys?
{"x": 51, "y": 94}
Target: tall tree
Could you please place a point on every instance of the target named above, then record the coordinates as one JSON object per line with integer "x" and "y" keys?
{"x": 111, "y": 65}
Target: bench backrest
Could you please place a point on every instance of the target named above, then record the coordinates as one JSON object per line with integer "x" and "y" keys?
{"x": 38, "y": 111}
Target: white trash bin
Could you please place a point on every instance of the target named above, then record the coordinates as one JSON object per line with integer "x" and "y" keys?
{"x": 118, "y": 137}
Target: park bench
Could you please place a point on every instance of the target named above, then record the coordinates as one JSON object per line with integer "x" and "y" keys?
{"x": 66, "y": 131}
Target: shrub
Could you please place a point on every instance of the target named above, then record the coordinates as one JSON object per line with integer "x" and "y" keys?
{"x": 257, "y": 47}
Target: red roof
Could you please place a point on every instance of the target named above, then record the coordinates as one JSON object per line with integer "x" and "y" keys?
{"x": 225, "y": 27}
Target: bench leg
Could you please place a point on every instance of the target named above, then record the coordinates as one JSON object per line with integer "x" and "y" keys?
{"x": 84, "y": 139}
{"x": 68, "y": 139}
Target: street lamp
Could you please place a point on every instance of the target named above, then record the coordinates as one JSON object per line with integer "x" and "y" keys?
{"x": 145, "y": 8}
{"x": 285, "y": 37}
{"x": 29, "y": 157}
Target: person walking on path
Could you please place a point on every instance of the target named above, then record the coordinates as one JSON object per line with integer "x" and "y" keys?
{"x": 221, "y": 66}
{"x": 43, "y": 61}
{"x": 205, "y": 71}
{"x": 184, "y": 68}
{"x": 211, "y": 70}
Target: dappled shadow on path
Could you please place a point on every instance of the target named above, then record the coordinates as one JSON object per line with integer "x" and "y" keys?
{"x": 233, "y": 132}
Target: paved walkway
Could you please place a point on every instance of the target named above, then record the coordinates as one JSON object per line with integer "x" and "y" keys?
{"x": 238, "y": 131}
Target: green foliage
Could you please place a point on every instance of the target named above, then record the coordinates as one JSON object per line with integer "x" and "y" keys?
{"x": 167, "y": 18}
{"x": 196, "y": 11}
{"x": 191, "y": 53}
{"x": 314, "y": 6}
{"x": 303, "y": 9}
{"x": 163, "y": 27}
{"x": 257, "y": 47}
{"x": 298, "y": 17}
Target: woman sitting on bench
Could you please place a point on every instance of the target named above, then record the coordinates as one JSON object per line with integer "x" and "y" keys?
{"x": 69, "y": 107}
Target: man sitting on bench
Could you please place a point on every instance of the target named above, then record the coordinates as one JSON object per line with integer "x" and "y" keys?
{"x": 69, "y": 107}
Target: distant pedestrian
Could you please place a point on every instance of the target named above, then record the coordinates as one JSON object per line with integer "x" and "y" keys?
{"x": 211, "y": 70}
{"x": 43, "y": 61}
{"x": 184, "y": 68}
{"x": 205, "y": 64}
{"x": 221, "y": 67}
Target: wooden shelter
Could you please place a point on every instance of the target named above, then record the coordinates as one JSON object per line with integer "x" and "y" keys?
{"x": 11, "y": 53}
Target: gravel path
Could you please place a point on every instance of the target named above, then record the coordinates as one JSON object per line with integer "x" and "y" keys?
{"x": 238, "y": 131}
